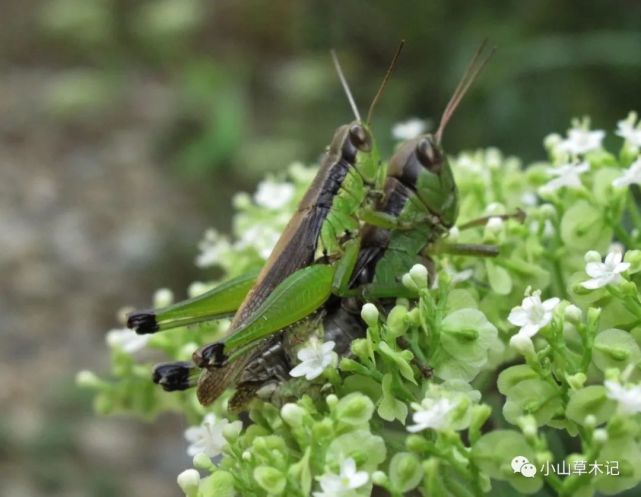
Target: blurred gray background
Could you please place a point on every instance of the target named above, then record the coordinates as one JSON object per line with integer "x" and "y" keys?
{"x": 126, "y": 126}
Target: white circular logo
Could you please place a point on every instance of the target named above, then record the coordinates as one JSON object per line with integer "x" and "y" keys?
{"x": 520, "y": 464}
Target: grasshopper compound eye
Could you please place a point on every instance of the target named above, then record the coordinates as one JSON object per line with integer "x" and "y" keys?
{"x": 429, "y": 155}
{"x": 360, "y": 138}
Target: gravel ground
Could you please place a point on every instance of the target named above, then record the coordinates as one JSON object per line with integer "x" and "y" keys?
{"x": 87, "y": 218}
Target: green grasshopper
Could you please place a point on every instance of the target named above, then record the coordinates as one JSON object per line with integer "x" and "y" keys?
{"x": 280, "y": 295}
{"x": 418, "y": 207}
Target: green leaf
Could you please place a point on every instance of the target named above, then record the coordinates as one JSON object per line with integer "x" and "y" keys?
{"x": 615, "y": 348}
{"x": 536, "y": 397}
{"x": 499, "y": 278}
{"x": 590, "y": 400}
{"x": 405, "y": 471}
{"x": 494, "y": 452}
{"x": 583, "y": 228}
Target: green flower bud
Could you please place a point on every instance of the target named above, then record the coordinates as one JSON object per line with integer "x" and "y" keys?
{"x": 331, "y": 400}
{"x": 419, "y": 275}
{"x": 405, "y": 471}
{"x": 188, "y": 482}
{"x": 528, "y": 426}
{"x": 408, "y": 282}
{"x": 576, "y": 381}
{"x": 87, "y": 379}
{"x": 360, "y": 348}
{"x": 369, "y": 313}
{"x": 592, "y": 256}
{"x": 590, "y": 421}
{"x": 202, "y": 461}
{"x": 293, "y": 415}
{"x": 220, "y": 484}
{"x": 416, "y": 443}
{"x": 593, "y": 316}
{"x": 548, "y": 211}
{"x": 270, "y": 479}
{"x": 633, "y": 257}
{"x": 323, "y": 430}
{"x": 573, "y": 314}
{"x": 628, "y": 288}
{"x": 231, "y": 431}
{"x": 354, "y": 409}
{"x": 522, "y": 344}
{"x": 600, "y": 436}
{"x": 379, "y": 478}
{"x": 397, "y": 322}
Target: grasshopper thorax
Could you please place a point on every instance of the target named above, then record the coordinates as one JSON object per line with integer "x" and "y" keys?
{"x": 421, "y": 166}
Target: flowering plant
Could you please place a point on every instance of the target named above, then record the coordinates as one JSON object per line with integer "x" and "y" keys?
{"x": 535, "y": 385}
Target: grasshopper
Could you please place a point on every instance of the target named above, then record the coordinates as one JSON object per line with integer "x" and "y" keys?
{"x": 316, "y": 251}
{"x": 418, "y": 206}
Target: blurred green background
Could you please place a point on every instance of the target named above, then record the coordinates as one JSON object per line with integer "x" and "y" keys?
{"x": 126, "y": 126}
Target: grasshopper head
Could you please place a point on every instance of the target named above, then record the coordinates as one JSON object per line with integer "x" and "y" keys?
{"x": 420, "y": 164}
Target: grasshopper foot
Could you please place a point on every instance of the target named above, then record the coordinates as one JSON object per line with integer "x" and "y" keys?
{"x": 212, "y": 355}
{"x": 143, "y": 322}
{"x": 174, "y": 376}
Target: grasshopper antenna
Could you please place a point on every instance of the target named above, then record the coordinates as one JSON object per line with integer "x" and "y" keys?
{"x": 341, "y": 76}
{"x": 472, "y": 71}
{"x": 388, "y": 75}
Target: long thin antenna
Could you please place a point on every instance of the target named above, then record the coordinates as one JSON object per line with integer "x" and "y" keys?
{"x": 472, "y": 71}
{"x": 388, "y": 75}
{"x": 341, "y": 76}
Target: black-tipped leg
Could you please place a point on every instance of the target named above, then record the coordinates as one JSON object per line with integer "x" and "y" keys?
{"x": 174, "y": 376}
{"x": 143, "y": 322}
{"x": 212, "y": 355}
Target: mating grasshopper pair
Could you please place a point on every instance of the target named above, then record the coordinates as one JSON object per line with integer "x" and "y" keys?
{"x": 358, "y": 227}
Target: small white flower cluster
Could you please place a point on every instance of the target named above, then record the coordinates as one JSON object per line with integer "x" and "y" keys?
{"x": 409, "y": 129}
{"x": 580, "y": 141}
{"x": 349, "y": 479}
{"x": 532, "y": 315}
{"x": 315, "y": 357}
{"x": 566, "y": 175}
{"x": 271, "y": 195}
{"x": 432, "y": 414}
{"x": 207, "y": 438}
{"x": 628, "y": 397}
{"x": 604, "y": 273}
{"x": 126, "y": 340}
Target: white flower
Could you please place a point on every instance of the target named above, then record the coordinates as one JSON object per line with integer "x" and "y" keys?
{"x": 566, "y": 175}
{"x": 605, "y": 273}
{"x": 431, "y": 413}
{"x": 262, "y": 237}
{"x": 189, "y": 481}
{"x": 208, "y": 437}
{"x": 627, "y": 397}
{"x": 630, "y": 176}
{"x": 580, "y": 141}
{"x": 274, "y": 195}
{"x": 532, "y": 314}
{"x": 163, "y": 297}
{"x": 408, "y": 129}
{"x": 494, "y": 224}
{"x": 127, "y": 340}
{"x": 529, "y": 199}
{"x": 211, "y": 247}
{"x": 333, "y": 485}
{"x": 314, "y": 357}
{"x": 627, "y": 131}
